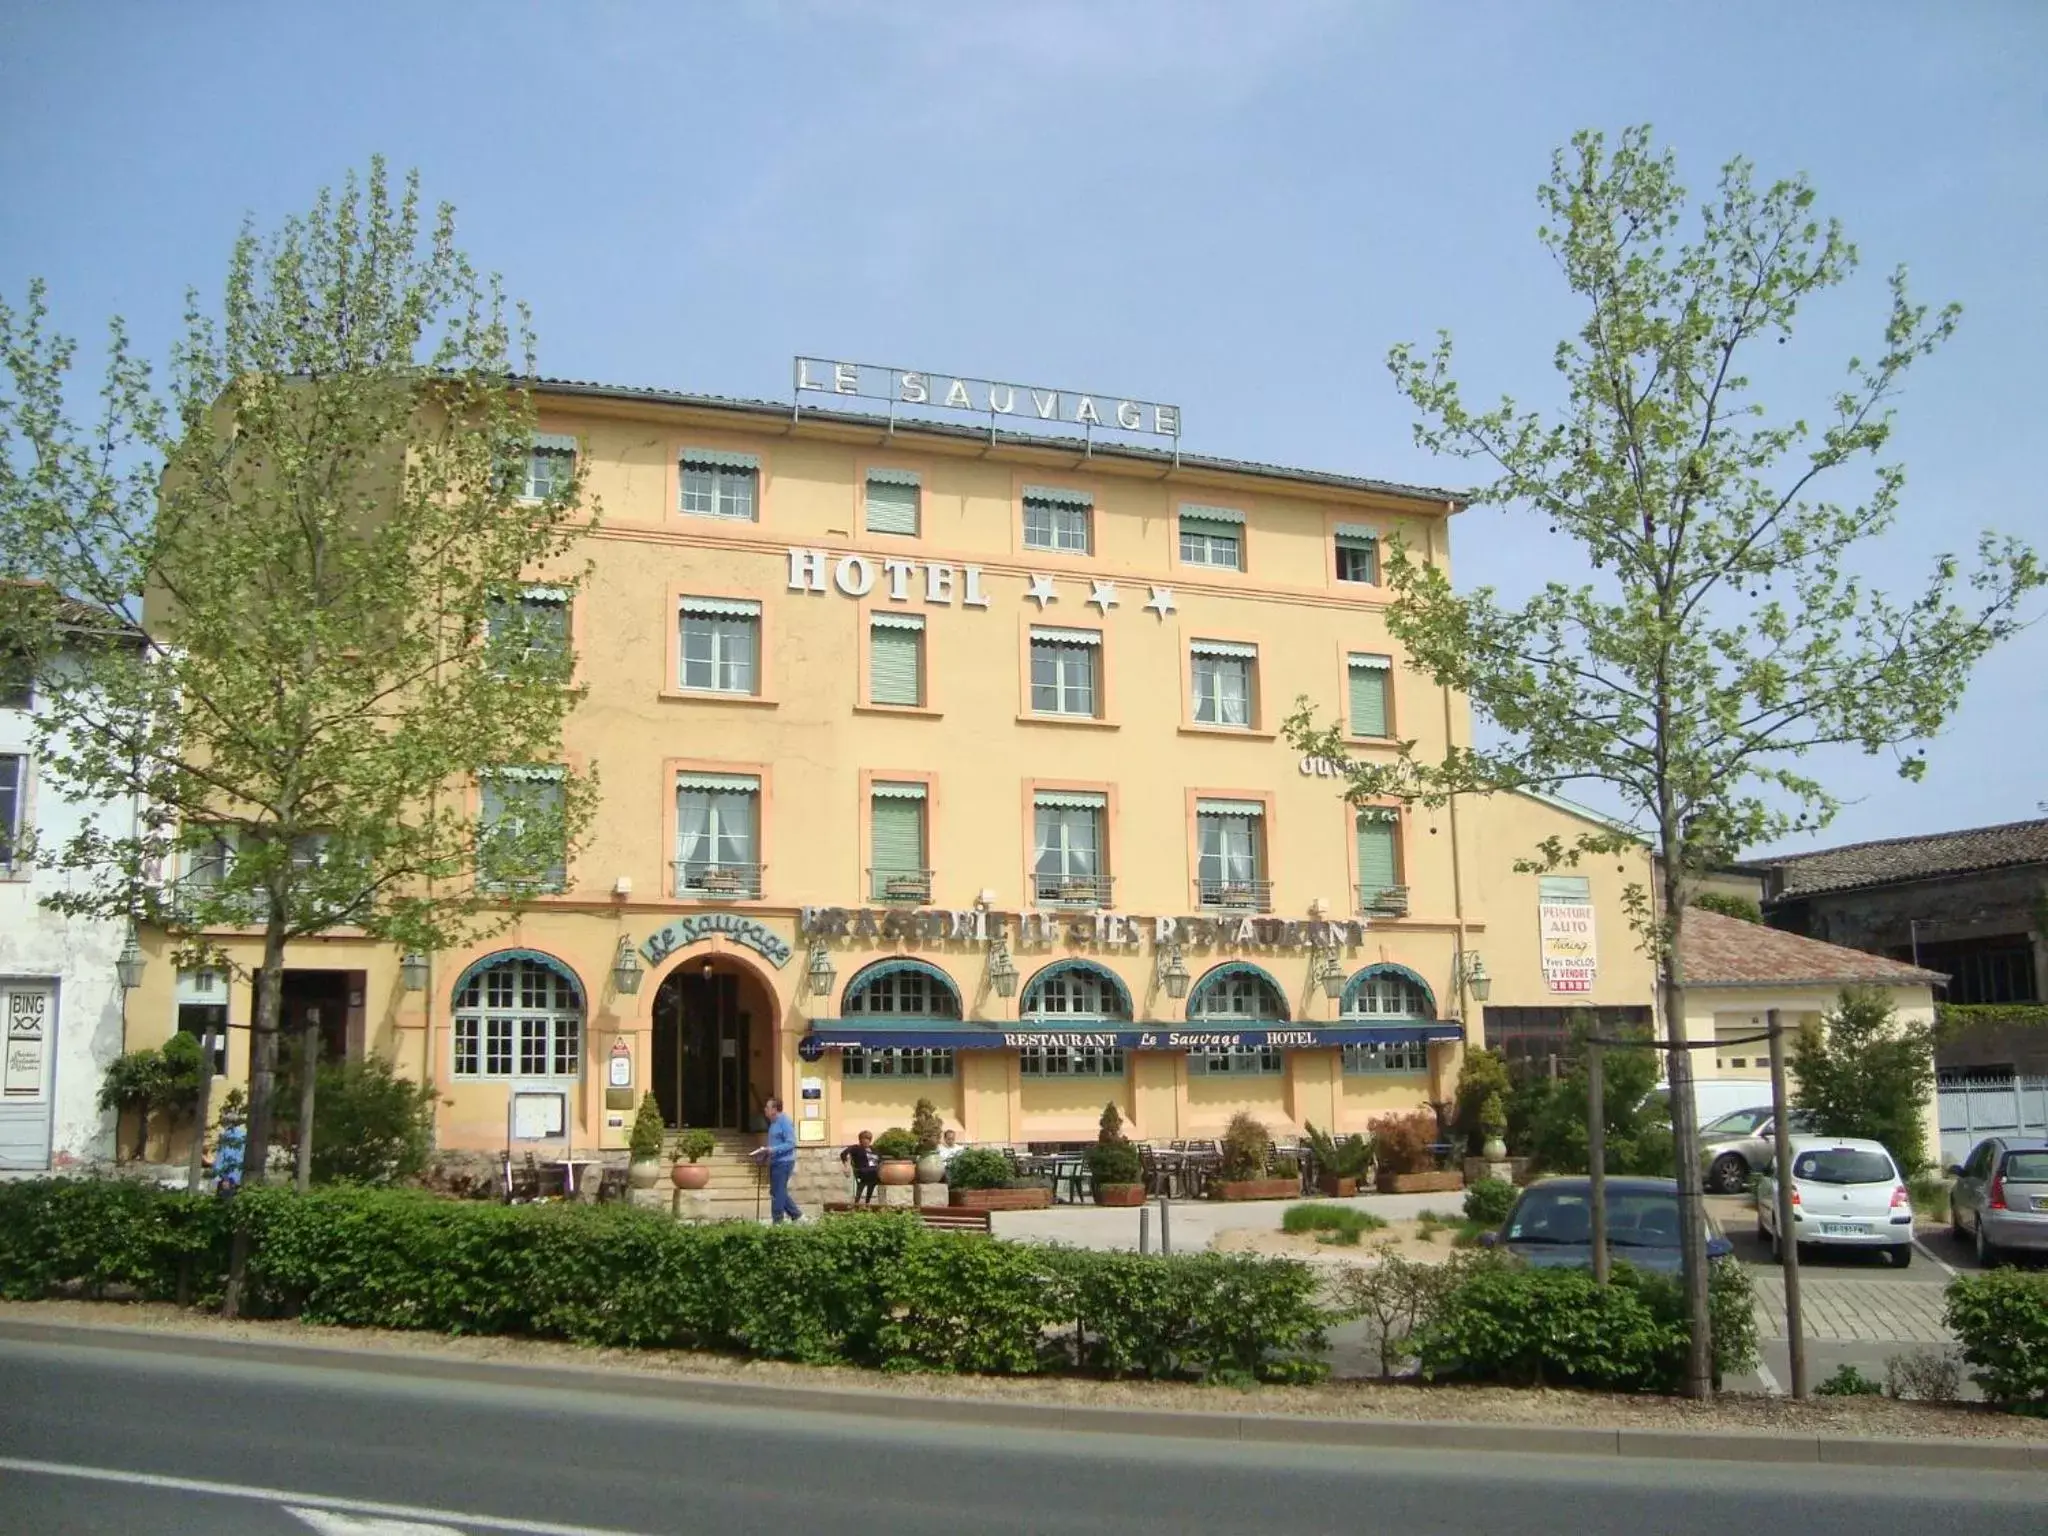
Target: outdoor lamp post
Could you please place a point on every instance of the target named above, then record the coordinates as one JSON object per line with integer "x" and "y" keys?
{"x": 412, "y": 971}
{"x": 1173, "y": 974}
{"x": 821, "y": 971}
{"x": 626, "y": 968}
{"x": 1002, "y": 970}
{"x": 128, "y": 967}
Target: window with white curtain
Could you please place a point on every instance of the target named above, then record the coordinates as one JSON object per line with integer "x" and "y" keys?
{"x": 1057, "y": 520}
{"x": 1212, "y": 536}
{"x": 1076, "y": 992}
{"x": 1221, "y": 672}
{"x": 721, "y": 641}
{"x": 550, "y": 465}
{"x": 1064, "y": 666}
{"x": 1067, "y": 831}
{"x": 518, "y": 1018}
{"x": 1230, "y": 852}
{"x": 719, "y": 484}
{"x": 718, "y": 834}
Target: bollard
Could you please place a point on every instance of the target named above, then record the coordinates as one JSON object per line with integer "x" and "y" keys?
{"x": 1144, "y": 1230}
{"x": 1165, "y": 1228}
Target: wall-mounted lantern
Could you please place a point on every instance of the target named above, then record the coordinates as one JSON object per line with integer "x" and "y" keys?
{"x": 128, "y": 967}
{"x": 412, "y": 971}
{"x": 1173, "y": 974}
{"x": 821, "y": 971}
{"x": 1002, "y": 970}
{"x": 626, "y": 970}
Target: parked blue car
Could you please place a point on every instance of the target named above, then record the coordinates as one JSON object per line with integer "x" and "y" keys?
{"x": 1552, "y": 1224}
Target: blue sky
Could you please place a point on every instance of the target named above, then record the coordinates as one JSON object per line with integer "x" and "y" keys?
{"x": 1237, "y": 207}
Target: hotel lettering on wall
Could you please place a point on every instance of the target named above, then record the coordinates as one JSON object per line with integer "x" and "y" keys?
{"x": 1110, "y": 930}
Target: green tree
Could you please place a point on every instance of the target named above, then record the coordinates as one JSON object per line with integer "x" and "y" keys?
{"x": 1866, "y": 1073}
{"x": 1484, "y": 1075}
{"x": 1723, "y": 630}
{"x": 325, "y": 521}
{"x": 370, "y": 1125}
{"x": 1729, "y": 905}
{"x": 1638, "y": 1122}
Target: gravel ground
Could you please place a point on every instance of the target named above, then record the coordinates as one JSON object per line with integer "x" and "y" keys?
{"x": 1851, "y": 1417}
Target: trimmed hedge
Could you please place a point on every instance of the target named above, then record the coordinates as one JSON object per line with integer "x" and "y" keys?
{"x": 2001, "y": 1319}
{"x": 880, "y": 1292}
{"x": 1505, "y": 1322}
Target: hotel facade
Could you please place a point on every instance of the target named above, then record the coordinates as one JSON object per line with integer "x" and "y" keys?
{"x": 944, "y": 762}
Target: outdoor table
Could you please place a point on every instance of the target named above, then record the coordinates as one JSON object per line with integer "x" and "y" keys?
{"x": 569, "y": 1166}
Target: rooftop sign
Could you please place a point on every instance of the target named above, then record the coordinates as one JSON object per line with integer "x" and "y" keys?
{"x": 985, "y": 397}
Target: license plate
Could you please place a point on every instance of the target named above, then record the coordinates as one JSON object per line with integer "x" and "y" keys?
{"x": 1844, "y": 1229}
{"x": 2040, "y": 1203}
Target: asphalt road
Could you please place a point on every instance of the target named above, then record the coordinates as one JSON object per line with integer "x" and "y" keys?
{"x": 135, "y": 1438}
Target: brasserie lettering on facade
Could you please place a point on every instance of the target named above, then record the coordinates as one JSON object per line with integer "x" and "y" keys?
{"x": 941, "y": 758}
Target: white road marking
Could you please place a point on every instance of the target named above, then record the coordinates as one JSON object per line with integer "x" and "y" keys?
{"x": 301, "y": 1503}
{"x": 1769, "y": 1378}
{"x": 1934, "y": 1258}
{"x": 331, "y": 1522}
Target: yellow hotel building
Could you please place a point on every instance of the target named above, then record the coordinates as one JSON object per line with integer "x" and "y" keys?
{"x": 944, "y": 762}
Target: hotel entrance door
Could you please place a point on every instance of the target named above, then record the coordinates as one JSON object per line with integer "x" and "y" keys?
{"x": 700, "y": 1051}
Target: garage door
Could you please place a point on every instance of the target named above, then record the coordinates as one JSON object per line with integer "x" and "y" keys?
{"x": 28, "y": 1015}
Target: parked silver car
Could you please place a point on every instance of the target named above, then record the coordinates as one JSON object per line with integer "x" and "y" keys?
{"x": 1846, "y": 1193}
{"x": 1743, "y": 1141}
{"x": 2000, "y": 1197}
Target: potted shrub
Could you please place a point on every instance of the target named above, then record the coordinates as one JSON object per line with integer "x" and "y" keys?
{"x": 983, "y": 1180}
{"x": 926, "y": 1130}
{"x": 1493, "y": 1121}
{"x": 1246, "y": 1170}
{"x": 643, "y": 1168}
{"x": 1402, "y": 1157}
{"x": 692, "y": 1147}
{"x": 1117, "y": 1170}
{"x": 1340, "y": 1161}
{"x": 897, "y": 1149}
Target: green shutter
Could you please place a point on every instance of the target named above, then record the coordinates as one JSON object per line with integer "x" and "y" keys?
{"x": 1369, "y": 701}
{"x": 892, "y": 665}
{"x": 898, "y": 842}
{"x": 892, "y": 508}
{"x": 1376, "y": 861}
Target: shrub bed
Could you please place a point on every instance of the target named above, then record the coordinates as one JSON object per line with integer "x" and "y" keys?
{"x": 881, "y": 1292}
{"x": 2001, "y": 1320}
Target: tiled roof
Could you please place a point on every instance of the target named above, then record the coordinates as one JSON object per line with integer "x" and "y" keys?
{"x": 1912, "y": 858}
{"x": 782, "y": 411}
{"x": 1729, "y": 952}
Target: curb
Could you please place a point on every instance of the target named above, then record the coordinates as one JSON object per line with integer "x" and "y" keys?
{"x": 1244, "y": 1428}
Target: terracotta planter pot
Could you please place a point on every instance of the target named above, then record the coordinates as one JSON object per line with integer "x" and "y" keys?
{"x": 1421, "y": 1183}
{"x": 1002, "y": 1199}
{"x": 690, "y": 1175}
{"x": 897, "y": 1170}
{"x": 1257, "y": 1189}
{"x": 643, "y": 1173}
{"x": 1120, "y": 1194}
{"x": 1336, "y": 1188}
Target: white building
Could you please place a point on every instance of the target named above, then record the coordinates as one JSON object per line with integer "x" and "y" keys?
{"x": 60, "y": 997}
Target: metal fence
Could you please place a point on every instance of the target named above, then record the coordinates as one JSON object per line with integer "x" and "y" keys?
{"x": 1988, "y": 1101}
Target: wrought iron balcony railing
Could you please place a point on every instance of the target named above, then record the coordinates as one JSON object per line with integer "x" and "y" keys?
{"x": 900, "y": 885}
{"x": 1050, "y": 889}
{"x": 718, "y": 881}
{"x": 1383, "y": 900}
{"x": 1234, "y": 895}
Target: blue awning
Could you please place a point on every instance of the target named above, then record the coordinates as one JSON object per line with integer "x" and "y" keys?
{"x": 836, "y": 1034}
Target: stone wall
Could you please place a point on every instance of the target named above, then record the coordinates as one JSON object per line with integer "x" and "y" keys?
{"x": 1973, "y": 908}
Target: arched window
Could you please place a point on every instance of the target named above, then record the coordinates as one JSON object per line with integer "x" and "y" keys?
{"x": 1239, "y": 992}
{"x": 1387, "y": 992}
{"x": 902, "y": 988}
{"x": 1074, "y": 989}
{"x": 518, "y": 1015}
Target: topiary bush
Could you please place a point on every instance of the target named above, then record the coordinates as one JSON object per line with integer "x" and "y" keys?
{"x": 1247, "y": 1149}
{"x": 925, "y": 1127}
{"x": 696, "y": 1144}
{"x": 1113, "y": 1162}
{"x": 645, "y": 1142}
{"x": 2001, "y": 1319}
{"x": 896, "y": 1145}
{"x": 980, "y": 1168}
{"x": 1489, "y": 1201}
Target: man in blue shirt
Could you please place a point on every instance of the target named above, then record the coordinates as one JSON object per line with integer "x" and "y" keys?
{"x": 781, "y": 1163}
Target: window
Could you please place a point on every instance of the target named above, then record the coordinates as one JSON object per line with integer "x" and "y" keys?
{"x": 1379, "y": 861}
{"x": 518, "y": 1013}
{"x": 1372, "y": 680}
{"x": 200, "y": 1019}
{"x": 1071, "y": 1061}
{"x": 1230, "y": 853}
{"x": 896, "y": 843}
{"x": 1067, "y": 862}
{"x": 1057, "y": 520}
{"x": 896, "y": 1061}
{"x": 13, "y": 790}
{"x": 1222, "y": 674}
{"x": 892, "y": 501}
{"x": 1384, "y": 992}
{"x": 719, "y": 484}
{"x": 1212, "y": 536}
{"x": 1235, "y": 1060}
{"x": 550, "y": 465}
{"x": 1075, "y": 992}
{"x": 1228, "y": 995}
{"x": 531, "y": 626}
{"x": 721, "y": 644}
{"x": 521, "y": 837}
{"x": 896, "y": 659}
{"x": 1063, "y": 671}
{"x": 1358, "y": 554}
{"x": 1564, "y": 890}
{"x": 17, "y": 681}
{"x": 717, "y": 835}
{"x": 903, "y": 992}
{"x": 1387, "y": 1056}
